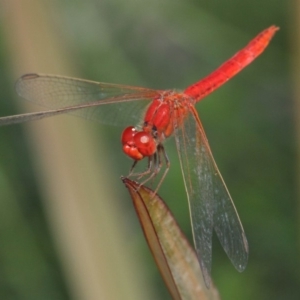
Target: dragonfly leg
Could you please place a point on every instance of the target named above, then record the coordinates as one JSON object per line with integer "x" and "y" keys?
{"x": 151, "y": 161}
{"x": 157, "y": 167}
{"x": 152, "y": 167}
{"x": 155, "y": 163}
{"x": 161, "y": 151}
{"x": 132, "y": 168}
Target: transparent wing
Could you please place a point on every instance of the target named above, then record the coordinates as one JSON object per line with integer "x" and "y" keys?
{"x": 195, "y": 166}
{"x": 209, "y": 200}
{"x": 84, "y": 98}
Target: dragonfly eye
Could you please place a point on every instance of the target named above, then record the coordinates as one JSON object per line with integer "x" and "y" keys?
{"x": 128, "y": 135}
{"x": 128, "y": 143}
{"x": 145, "y": 143}
{"x": 137, "y": 144}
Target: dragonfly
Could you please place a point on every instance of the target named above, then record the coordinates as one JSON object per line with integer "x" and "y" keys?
{"x": 160, "y": 114}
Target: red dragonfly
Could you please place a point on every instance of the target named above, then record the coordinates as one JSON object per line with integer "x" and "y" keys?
{"x": 165, "y": 113}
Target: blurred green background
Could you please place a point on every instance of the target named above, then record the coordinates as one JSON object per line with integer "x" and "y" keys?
{"x": 250, "y": 123}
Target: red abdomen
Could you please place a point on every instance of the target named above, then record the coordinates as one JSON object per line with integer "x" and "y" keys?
{"x": 232, "y": 66}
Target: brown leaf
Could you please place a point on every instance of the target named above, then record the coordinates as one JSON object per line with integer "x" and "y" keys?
{"x": 174, "y": 256}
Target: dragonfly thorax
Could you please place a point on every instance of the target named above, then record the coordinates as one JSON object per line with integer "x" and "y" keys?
{"x": 163, "y": 115}
{"x": 166, "y": 113}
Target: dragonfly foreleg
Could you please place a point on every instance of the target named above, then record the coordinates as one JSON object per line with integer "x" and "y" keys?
{"x": 161, "y": 151}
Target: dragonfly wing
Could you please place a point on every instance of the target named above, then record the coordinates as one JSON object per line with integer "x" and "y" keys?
{"x": 195, "y": 166}
{"x": 227, "y": 224}
{"x": 226, "y": 220}
{"x": 210, "y": 203}
{"x": 57, "y": 92}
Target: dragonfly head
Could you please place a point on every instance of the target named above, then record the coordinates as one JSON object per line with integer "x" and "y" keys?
{"x": 138, "y": 144}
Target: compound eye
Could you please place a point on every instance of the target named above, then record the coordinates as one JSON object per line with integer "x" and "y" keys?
{"x": 145, "y": 143}
{"x": 128, "y": 135}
